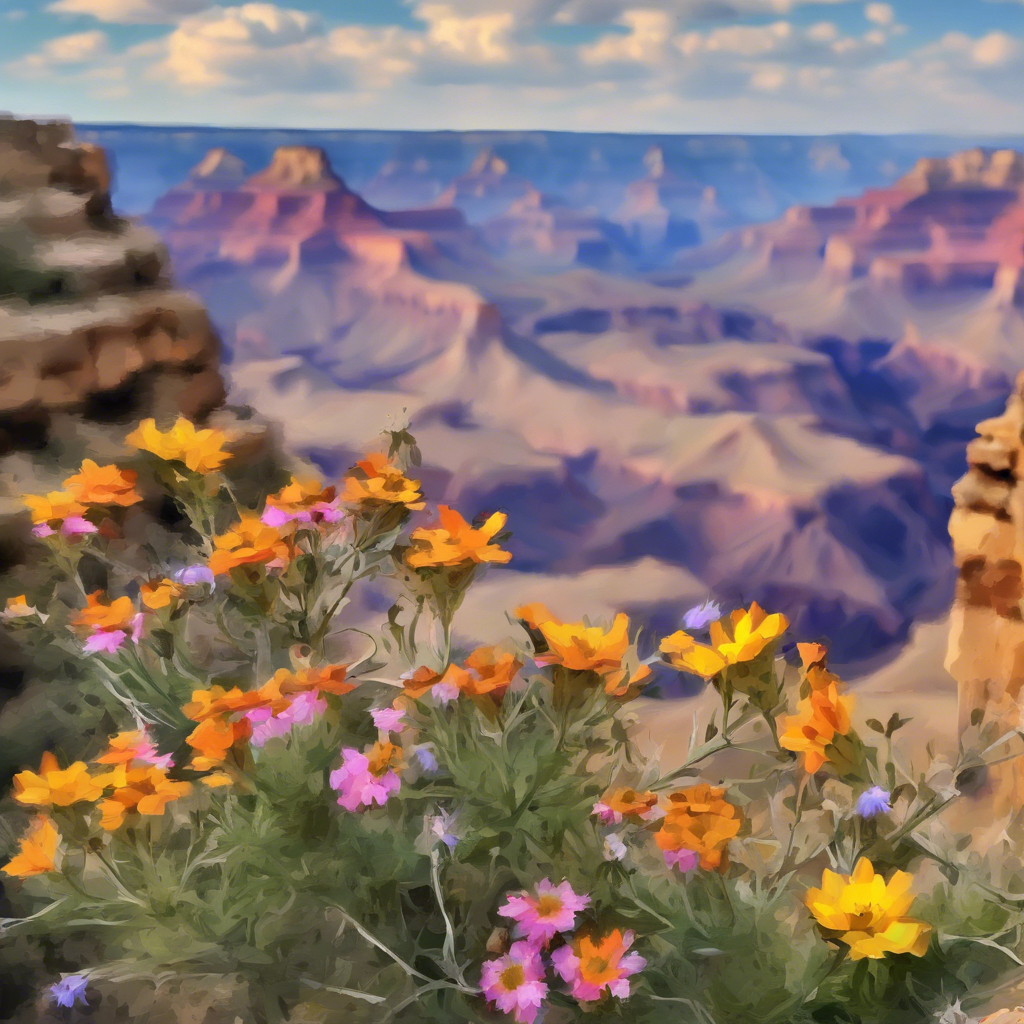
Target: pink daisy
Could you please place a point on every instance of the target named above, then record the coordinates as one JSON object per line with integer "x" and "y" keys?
{"x": 76, "y": 526}
{"x": 357, "y": 786}
{"x": 542, "y": 916}
{"x": 514, "y": 983}
{"x": 388, "y": 719}
{"x": 145, "y": 751}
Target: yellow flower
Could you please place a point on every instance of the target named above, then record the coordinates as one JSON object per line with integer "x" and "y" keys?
{"x": 867, "y": 913}
{"x": 819, "y": 719}
{"x": 51, "y": 786}
{"x": 145, "y": 790}
{"x": 103, "y": 485}
{"x": 157, "y": 594}
{"x": 374, "y": 481}
{"x": 749, "y": 634}
{"x": 202, "y": 451}
{"x": 37, "y": 850}
{"x": 53, "y": 507}
{"x": 455, "y": 542}
{"x": 250, "y": 541}
{"x": 19, "y": 608}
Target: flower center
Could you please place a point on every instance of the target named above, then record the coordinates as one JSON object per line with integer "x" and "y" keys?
{"x": 512, "y": 977}
{"x": 596, "y": 966}
{"x": 548, "y": 906}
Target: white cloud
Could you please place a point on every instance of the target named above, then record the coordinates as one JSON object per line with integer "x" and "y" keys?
{"x": 645, "y": 43}
{"x": 481, "y": 38}
{"x": 81, "y": 48}
{"x": 131, "y": 12}
{"x": 880, "y": 14}
{"x": 16, "y": 15}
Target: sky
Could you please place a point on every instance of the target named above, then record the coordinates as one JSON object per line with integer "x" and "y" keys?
{"x": 751, "y": 66}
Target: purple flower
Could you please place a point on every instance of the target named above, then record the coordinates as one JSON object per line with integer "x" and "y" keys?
{"x": 388, "y": 719}
{"x": 69, "y": 989}
{"x": 426, "y": 757}
{"x": 43, "y": 530}
{"x": 441, "y": 826}
{"x": 193, "y": 575}
{"x": 873, "y": 801}
{"x": 542, "y": 914}
{"x": 702, "y": 615}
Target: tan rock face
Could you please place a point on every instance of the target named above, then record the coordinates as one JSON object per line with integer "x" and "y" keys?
{"x": 986, "y": 645}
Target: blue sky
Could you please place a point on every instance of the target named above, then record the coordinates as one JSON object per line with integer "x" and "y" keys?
{"x": 795, "y": 66}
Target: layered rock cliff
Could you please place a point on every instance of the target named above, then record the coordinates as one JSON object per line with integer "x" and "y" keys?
{"x": 93, "y": 334}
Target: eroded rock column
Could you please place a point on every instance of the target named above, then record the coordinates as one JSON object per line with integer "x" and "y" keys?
{"x": 986, "y": 644}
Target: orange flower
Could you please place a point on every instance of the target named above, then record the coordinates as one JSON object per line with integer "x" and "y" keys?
{"x": 217, "y": 701}
{"x": 621, "y": 803}
{"x": 583, "y": 648}
{"x": 101, "y": 614}
{"x": 145, "y": 790}
{"x": 249, "y": 542}
{"x": 302, "y": 500}
{"x": 490, "y": 673}
{"x": 423, "y": 679}
{"x": 455, "y": 542}
{"x": 157, "y": 594}
{"x": 213, "y": 738}
{"x": 700, "y": 820}
{"x": 819, "y": 718}
{"x": 325, "y": 678}
{"x": 384, "y": 757}
{"x": 594, "y": 966}
{"x": 375, "y": 482}
{"x": 103, "y": 485}
{"x": 202, "y": 451}
{"x": 53, "y": 787}
{"x": 37, "y": 850}
{"x": 53, "y": 507}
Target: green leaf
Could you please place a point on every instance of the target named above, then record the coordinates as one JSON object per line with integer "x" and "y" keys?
{"x": 875, "y": 724}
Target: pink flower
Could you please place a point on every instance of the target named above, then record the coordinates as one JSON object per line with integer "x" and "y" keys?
{"x": 43, "y": 530}
{"x": 301, "y": 711}
{"x": 75, "y": 526}
{"x": 542, "y": 916}
{"x": 388, "y": 719}
{"x": 145, "y": 751}
{"x": 107, "y": 641}
{"x": 358, "y": 786}
{"x": 515, "y": 982}
{"x": 684, "y": 859}
{"x": 591, "y": 966}
{"x": 321, "y": 512}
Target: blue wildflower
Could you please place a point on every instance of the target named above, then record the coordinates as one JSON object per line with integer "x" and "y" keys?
{"x": 69, "y": 989}
{"x": 193, "y": 575}
{"x": 426, "y": 757}
{"x": 702, "y": 615}
{"x": 441, "y": 826}
{"x": 873, "y": 801}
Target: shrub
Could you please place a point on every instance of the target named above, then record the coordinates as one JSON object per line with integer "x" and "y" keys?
{"x": 410, "y": 832}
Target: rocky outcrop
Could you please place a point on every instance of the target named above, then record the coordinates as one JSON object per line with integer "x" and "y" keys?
{"x": 486, "y": 190}
{"x": 986, "y": 644}
{"x": 93, "y": 333}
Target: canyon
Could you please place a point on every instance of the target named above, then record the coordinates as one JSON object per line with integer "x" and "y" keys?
{"x": 657, "y": 390}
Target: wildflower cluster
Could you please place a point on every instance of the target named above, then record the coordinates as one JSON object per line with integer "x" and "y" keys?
{"x": 328, "y": 821}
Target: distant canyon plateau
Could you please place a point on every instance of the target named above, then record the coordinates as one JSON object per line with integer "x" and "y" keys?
{"x": 687, "y": 367}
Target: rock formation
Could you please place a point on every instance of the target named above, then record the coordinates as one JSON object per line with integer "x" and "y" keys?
{"x": 986, "y": 644}
{"x": 92, "y": 332}
{"x": 486, "y": 190}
